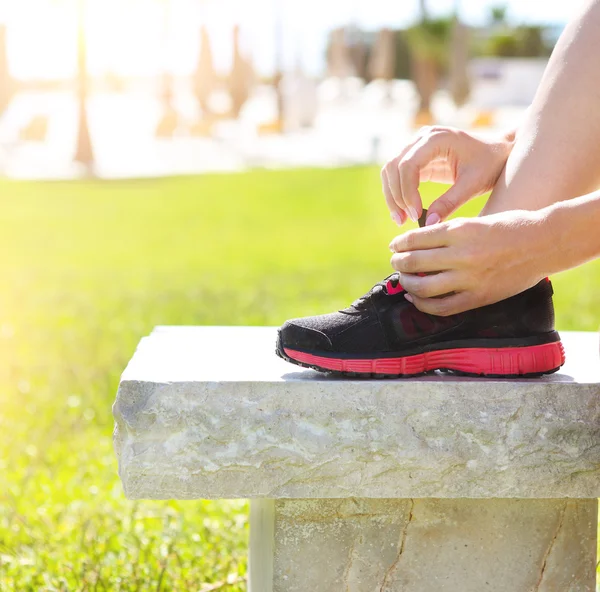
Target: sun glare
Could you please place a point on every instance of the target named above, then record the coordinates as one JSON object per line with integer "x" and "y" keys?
{"x": 124, "y": 37}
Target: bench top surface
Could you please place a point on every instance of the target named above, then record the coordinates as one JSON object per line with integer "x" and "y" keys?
{"x": 247, "y": 354}
{"x": 212, "y": 412}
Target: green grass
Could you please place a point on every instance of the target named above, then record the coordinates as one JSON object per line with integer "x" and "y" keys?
{"x": 87, "y": 268}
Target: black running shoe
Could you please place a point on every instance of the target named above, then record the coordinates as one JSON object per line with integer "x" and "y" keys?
{"x": 383, "y": 335}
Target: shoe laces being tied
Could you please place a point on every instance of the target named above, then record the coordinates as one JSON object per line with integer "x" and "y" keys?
{"x": 390, "y": 285}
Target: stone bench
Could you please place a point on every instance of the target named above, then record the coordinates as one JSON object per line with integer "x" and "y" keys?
{"x": 417, "y": 485}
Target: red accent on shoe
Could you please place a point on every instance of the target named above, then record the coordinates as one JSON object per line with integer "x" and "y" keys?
{"x": 391, "y": 289}
{"x": 505, "y": 361}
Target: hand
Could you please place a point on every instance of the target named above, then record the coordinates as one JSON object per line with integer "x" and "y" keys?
{"x": 475, "y": 261}
{"x": 443, "y": 155}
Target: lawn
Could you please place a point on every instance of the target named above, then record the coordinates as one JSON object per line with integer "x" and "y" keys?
{"x": 88, "y": 268}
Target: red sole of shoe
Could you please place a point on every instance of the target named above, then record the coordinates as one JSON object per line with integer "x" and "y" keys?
{"x": 505, "y": 361}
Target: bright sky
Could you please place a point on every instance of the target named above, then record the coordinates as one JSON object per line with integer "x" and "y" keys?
{"x": 134, "y": 37}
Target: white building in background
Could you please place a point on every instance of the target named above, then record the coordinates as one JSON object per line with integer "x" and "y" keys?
{"x": 498, "y": 82}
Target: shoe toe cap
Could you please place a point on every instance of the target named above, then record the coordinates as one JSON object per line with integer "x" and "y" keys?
{"x": 296, "y": 335}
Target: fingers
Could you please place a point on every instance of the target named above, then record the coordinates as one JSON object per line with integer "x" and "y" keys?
{"x": 430, "y": 157}
{"x": 430, "y": 286}
{"x": 423, "y": 261}
{"x": 450, "y": 201}
{"x": 391, "y": 176}
{"x": 398, "y": 215}
{"x": 443, "y": 307}
{"x": 424, "y": 152}
{"x": 430, "y": 237}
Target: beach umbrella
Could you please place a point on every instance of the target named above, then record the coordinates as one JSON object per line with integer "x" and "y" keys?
{"x": 339, "y": 61}
{"x": 241, "y": 78}
{"x": 205, "y": 76}
{"x": 382, "y": 63}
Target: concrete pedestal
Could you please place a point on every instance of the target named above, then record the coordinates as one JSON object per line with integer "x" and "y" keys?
{"x": 420, "y": 485}
{"x": 426, "y": 545}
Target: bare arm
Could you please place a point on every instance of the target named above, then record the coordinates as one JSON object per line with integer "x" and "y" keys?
{"x": 556, "y": 155}
{"x": 531, "y": 226}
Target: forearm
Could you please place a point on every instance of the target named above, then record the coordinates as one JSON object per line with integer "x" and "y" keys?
{"x": 556, "y": 154}
{"x": 569, "y": 233}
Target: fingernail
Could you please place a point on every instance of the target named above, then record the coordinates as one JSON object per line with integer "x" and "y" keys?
{"x": 413, "y": 214}
{"x": 433, "y": 218}
{"x": 409, "y": 298}
{"x": 391, "y": 248}
{"x": 397, "y": 218}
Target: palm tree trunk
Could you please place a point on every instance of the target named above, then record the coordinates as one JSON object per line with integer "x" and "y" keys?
{"x": 278, "y": 75}
{"x": 84, "y": 152}
{"x": 6, "y": 82}
{"x": 459, "y": 61}
{"x": 426, "y": 77}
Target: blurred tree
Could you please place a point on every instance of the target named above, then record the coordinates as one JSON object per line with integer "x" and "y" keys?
{"x": 459, "y": 57}
{"x": 531, "y": 42}
{"x": 6, "y": 81}
{"x": 498, "y": 15}
{"x": 525, "y": 41}
{"x": 428, "y": 42}
{"x": 84, "y": 152}
{"x": 502, "y": 44}
{"x": 403, "y": 56}
{"x": 502, "y": 40}
{"x": 357, "y": 57}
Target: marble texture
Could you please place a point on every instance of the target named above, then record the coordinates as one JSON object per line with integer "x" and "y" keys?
{"x": 211, "y": 412}
{"x": 412, "y": 545}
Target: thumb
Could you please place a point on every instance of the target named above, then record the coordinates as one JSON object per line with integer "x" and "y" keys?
{"x": 449, "y": 202}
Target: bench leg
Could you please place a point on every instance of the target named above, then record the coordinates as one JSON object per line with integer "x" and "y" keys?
{"x": 260, "y": 556}
{"x": 427, "y": 545}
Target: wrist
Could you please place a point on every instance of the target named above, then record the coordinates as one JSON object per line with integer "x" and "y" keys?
{"x": 545, "y": 224}
{"x": 571, "y": 228}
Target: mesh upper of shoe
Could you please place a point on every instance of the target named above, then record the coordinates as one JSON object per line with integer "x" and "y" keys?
{"x": 350, "y": 332}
